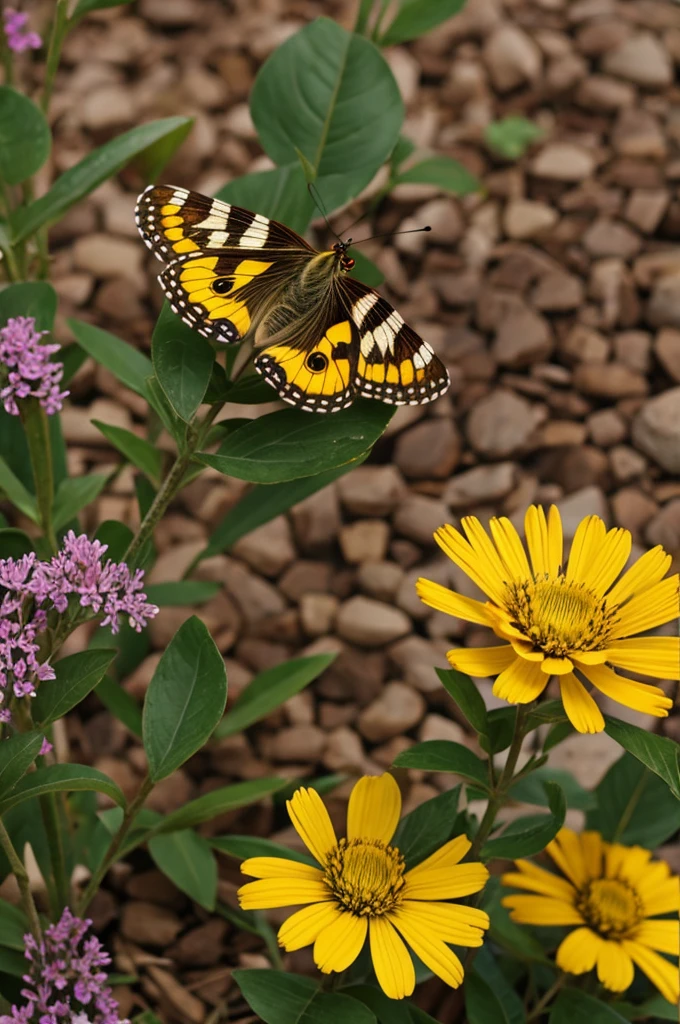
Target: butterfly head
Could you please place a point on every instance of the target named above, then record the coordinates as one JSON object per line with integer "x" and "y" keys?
{"x": 340, "y": 249}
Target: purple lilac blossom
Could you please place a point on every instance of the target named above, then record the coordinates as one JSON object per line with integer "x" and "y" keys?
{"x": 29, "y": 370}
{"x": 65, "y": 983}
{"x": 18, "y": 36}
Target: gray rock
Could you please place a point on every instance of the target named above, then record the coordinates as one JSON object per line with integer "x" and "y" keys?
{"x": 588, "y": 501}
{"x": 501, "y": 423}
{"x": 371, "y": 490}
{"x": 642, "y": 60}
{"x": 397, "y": 709}
{"x": 481, "y": 484}
{"x": 369, "y": 623}
{"x": 656, "y": 429}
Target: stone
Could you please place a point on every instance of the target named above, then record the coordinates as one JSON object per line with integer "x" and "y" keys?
{"x": 202, "y": 946}
{"x": 501, "y": 424}
{"x": 396, "y": 710}
{"x": 523, "y": 338}
{"x": 316, "y": 520}
{"x": 107, "y": 107}
{"x": 626, "y": 463}
{"x": 560, "y": 433}
{"x": 634, "y": 349}
{"x": 436, "y": 727}
{"x": 256, "y": 598}
{"x": 416, "y": 659}
{"x": 370, "y": 623}
{"x": 380, "y": 579}
{"x": 317, "y": 613}
{"x": 587, "y": 758}
{"x": 664, "y": 527}
{"x": 580, "y": 466}
{"x": 527, "y": 218}
{"x": 267, "y": 549}
{"x": 585, "y": 345}
{"x": 600, "y": 92}
{"x": 429, "y": 450}
{"x": 147, "y": 924}
{"x": 108, "y": 256}
{"x": 305, "y": 743}
{"x": 586, "y": 502}
{"x": 419, "y": 516}
{"x": 557, "y": 292}
{"x": 633, "y": 510}
{"x": 304, "y": 577}
{"x": 344, "y": 751}
{"x": 637, "y": 134}
{"x": 512, "y": 57}
{"x": 563, "y": 161}
{"x": 641, "y": 59}
{"x": 663, "y": 309}
{"x": 481, "y": 485}
{"x": 611, "y": 238}
{"x": 371, "y": 490}
{"x": 170, "y": 13}
{"x": 606, "y": 427}
{"x": 364, "y": 540}
{"x": 646, "y": 207}
{"x": 656, "y": 429}
{"x": 614, "y": 380}
{"x": 667, "y": 351}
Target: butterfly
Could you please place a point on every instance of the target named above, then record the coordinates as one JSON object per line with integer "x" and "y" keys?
{"x": 325, "y": 337}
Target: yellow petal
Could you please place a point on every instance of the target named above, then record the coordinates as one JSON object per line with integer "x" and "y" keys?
{"x": 664, "y": 936}
{"x": 577, "y": 954}
{"x": 536, "y": 533}
{"x": 581, "y": 709}
{"x": 647, "y": 571}
{"x": 510, "y": 548}
{"x": 663, "y": 898}
{"x": 657, "y": 656}
{"x": 661, "y": 973}
{"x": 643, "y": 697}
{"x": 303, "y": 927}
{"x": 487, "y": 573}
{"x": 448, "y": 601}
{"x": 279, "y": 867}
{"x": 541, "y": 910}
{"x": 614, "y": 967}
{"x": 653, "y": 607}
{"x": 482, "y": 661}
{"x": 443, "y": 921}
{"x": 392, "y": 961}
{"x": 592, "y": 849}
{"x": 544, "y": 883}
{"x": 567, "y": 852}
{"x": 441, "y": 960}
{"x": 521, "y": 683}
{"x": 589, "y": 535}
{"x": 609, "y": 560}
{"x": 267, "y": 893}
{"x": 340, "y": 943}
{"x": 556, "y": 666}
{"x": 312, "y": 823}
{"x": 446, "y": 883}
{"x": 631, "y": 863}
{"x": 447, "y": 856}
{"x": 374, "y": 808}
{"x": 555, "y": 541}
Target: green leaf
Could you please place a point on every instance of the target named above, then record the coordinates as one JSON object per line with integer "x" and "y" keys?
{"x": 29, "y": 298}
{"x": 572, "y": 1005}
{"x": 488, "y": 970}
{"x": 185, "y": 699}
{"x": 280, "y": 194}
{"x": 290, "y": 444}
{"x": 388, "y": 1011}
{"x": 117, "y": 537}
{"x": 127, "y": 364}
{"x": 243, "y": 847}
{"x": 17, "y": 754}
{"x": 12, "y": 963}
{"x": 500, "y": 728}
{"x": 13, "y": 926}
{"x": 96, "y": 167}
{"x": 269, "y": 690}
{"x": 15, "y": 492}
{"x": 416, "y": 17}
{"x": 250, "y": 389}
{"x": 85, "y": 6}
{"x": 181, "y": 593}
{"x": 146, "y": 1018}
{"x": 322, "y": 85}
{"x": 187, "y": 860}
{"x": 73, "y": 494}
{"x": 25, "y": 138}
{"x": 76, "y": 676}
{"x": 226, "y": 798}
{"x": 137, "y": 450}
{"x": 173, "y": 423}
{"x": 659, "y": 754}
{"x": 443, "y": 172}
{"x": 401, "y": 152}
{"x": 482, "y": 1005}
{"x": 445, "y": 756}
{"x": 62, "y": 778}
{"x": 14, "y": 543}
{"x": 72, "y": 357}
{"x": 121, "y": 704}
{"x": 465, "y": 695}
{"x": 280, "y": 998}
{"x": 526, "y": 836}
{"x": 512, "y": 136}
{"x": 530, "y": 789}
{"x": 634, "y": 806}
{"x": 428, "y": 827}
{"x": 182, "y": 361}
{"x": 657, "y": 1007}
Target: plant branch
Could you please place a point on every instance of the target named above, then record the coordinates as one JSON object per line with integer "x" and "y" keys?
{"x": 60, "y": 27}
{"x": 547, "y": 998}
{"x": 23, "y": 882}
{"x": 36, "y": 428}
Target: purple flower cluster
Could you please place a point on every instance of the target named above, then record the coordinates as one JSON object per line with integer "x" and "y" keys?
{"x": 66, "y": 983}
{"x": 29, "y": 371}
{"x": 32, "y": 589}
{"x": 18, "y": 36}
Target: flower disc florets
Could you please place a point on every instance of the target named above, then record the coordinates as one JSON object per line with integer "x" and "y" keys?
{"x": 365, "y": 876}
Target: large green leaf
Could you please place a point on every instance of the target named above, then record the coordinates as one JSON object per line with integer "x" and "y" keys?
{"x": 428, "y": 827}
{"x": 25, "y": 138}
{"x": 85, "y": 6}
{"x": 290, "y": 444}
{"x": 572, "y": 1005}
{"x": 188, "y": 861}
{"x": 137, "y": 450}
{"x": 121, "y": 704}
{"x": 442, "y": 171}
{"x": 29, "y": 298}
{"x": 482, "y": 1004}
{"x": 14, "y": 490}
{"x": 388, "y": 1011}
{"x": 416, "y": 17}
{"x": 634, "y": 806}
{"x": 217, "y": 801}
{"x": 445, "y": 756}
{"x": 13, "y": 926}
{"x": 659, "y": 754}
{"x": 74, "y": 494}
{"x": 185, "y": 699}
{"x": 14, "y": 543}
{"x": 64, "y": 778}
{"x": 96, "y": 167}
{"x": 181, "y": 593}
{"x": 127, "y": 364}
{"x": 487, "y": 969}
{"x": 17, "y": 754}
{"x": 76, "y": 676}
{"x": 183, "y": 362}
{"x": 525, "y": 837}
{"x": 280, "y": 194}
{"x": 243, "y": 847}
{"x": 269, "y": 690}
{"x": 324, "y": 86}
{"x": 466, "y": 695}
{"x": 280, "y": 998}
{"x": 530, "y": 789}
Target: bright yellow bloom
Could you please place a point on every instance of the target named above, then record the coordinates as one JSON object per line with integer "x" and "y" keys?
{"x": 362, "y": 888}
{"x": 556, "y": 620}
{"x": 613, "y": 895}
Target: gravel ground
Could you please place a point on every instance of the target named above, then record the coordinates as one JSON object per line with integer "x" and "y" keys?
{"x": 554, "y": 299}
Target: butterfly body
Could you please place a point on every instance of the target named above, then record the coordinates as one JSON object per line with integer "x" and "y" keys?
{"x": 326, "y": 337}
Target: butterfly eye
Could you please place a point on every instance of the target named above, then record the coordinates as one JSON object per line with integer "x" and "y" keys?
{"x": 222, "y": 285}
{"x": 316, "y": 362}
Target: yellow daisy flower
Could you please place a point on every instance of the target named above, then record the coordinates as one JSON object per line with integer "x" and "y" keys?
{"x": 361, "y": 888}
{"x": 613, "y": 895}
{"x": 555, "y": 620}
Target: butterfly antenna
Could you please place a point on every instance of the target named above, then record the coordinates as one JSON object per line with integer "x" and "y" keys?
{"x": 318, "y": 202}
{"x": 391, "y": 234}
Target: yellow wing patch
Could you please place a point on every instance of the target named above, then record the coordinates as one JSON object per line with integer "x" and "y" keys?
{"x": 319, "y": 377}
{"x": 204, "y": 287}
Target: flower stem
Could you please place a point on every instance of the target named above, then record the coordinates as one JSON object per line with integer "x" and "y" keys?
{"x": 23, "y": 882}
{"x": 115, "y": 845}
{"x": 49, "y": 809}
{"x": 59, "y": 29}
{"x": 36, "y": 428}
{"x": 547, "y": 998}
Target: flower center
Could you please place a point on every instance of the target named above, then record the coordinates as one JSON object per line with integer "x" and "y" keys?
{"x": 365, "y": 876}
{"x": 610, "y": 906}
{"x": 560, "y": 616}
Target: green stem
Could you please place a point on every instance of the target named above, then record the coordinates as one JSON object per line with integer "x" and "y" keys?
{"x": 548, "y": 997}
{"x": 60, "y": 27}
{"x": 23, "y": 882}
{"x": 116, "y": 843}
{"x": 49, "y": 809}
{"x": 36, "y": 427}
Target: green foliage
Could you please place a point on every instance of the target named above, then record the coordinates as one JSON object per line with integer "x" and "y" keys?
{"x": 572, "y": 1005}
{"x": 181, "y": 593}
{"x": 127, "y": 364}
{"x": 25, "y": 138}
{"x": 416, "y": 17}
{"x": 243, "y": 847}
{"x": 525, "y": 837}
{"x": 511, "y": 137}
{"x": 74, "y": 494}
{"x": 463, "y": 691}
{"x": 427, "y": 827}
{"x": 61, "y": 778}
{"x": 17, "y": 754}
{"x": 14, "y": 490}
{"x": 659, "y": 754}
{"x": 445, "y": 756}
{"x": 187, "y": 860}
{"x": 530, "y": 789}
{"x": 14, "y": 543}
{"x": 76, "y": 676}
{"x": 441, "y": 171}
{"x": 141, "y": 453}
{"x": 182, "y": 361}
{"x": 29, "y": 298}
{"x": 226, "y": 798}
{"x": 280, "y": 194}
{"x": 279, "y": 998}
{"x": 634, "y": 806}
{"x": 482, "y": 1004}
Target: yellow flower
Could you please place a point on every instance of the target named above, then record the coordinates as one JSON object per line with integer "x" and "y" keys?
{"x": 613, "y": 895}
{"x": 362, "y": 888}
{"x": 555, "y": 620}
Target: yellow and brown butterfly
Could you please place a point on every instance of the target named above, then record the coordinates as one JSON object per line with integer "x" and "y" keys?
{"x": 327, "y": 338}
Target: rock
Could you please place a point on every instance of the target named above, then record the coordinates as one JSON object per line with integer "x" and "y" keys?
{"x": 511, "y": 57}
{"x": 317, "y": 613}
{"x": 664, "y": 306}
{"x": 599, "y": 92}
{"x": 444, "y": 217}
{"x": 613, "y": 381}
{"x": 585, "y": 345}
{"x": 267, "y": 549}
{"x": 626, "y": 463}
{"x": 369, "y": 623}
{"x": 563, "y": 161}
{"x": 500, "y": 424}
{"x": 419, "y": 516}
{"x": 606, "y": 427}
{"x": 380, "y": 579}
{"x": 634, "y": 349}
{"x": 664, "y": 527}
{"x": 256, "y": 598}
{"x": 108, "y": 256}
{"x": 523, "y": 338}
{"x": 557, "y": 292}
{"x": 581, "y": 466}
{"x": 147, "y": 924}
{"x": 305, "y": 743}
{"x": 586, "y": 502}
{"x": 481, "y": 485}
{"x": 305, "y": 576}
{"x": 667, "y": 351}
{"x": 182, "y": 1003}
{"x": 202, "y": 946}
{"x": 371, "y": 490}
{"x": 611, "y": 238}
{"x": 397, "y": 709}
{"x": 344, "y": 751}
{"x": 107, "y": 107}
{"x": 429, "y": 450}
{"x": 365, "y": 540}
{"x": 561, "y": 433}
{"x": 640, "y": 59}
{"x": 527, "y": 218}
{"x": 436, "y": 727}
{"x": 316, "y": 520}
{"x": 637, "y": 134}
{"x": 633, "y": 510}
{"x": 656, "y": 429}
{"x": 646, "y": 207}
{"x": 587, "y": 758}
{"x": 170, "y": 13}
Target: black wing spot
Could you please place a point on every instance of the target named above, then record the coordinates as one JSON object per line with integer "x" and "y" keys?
{"x": 341, "y": 350}
{"x": 316, "y": 362}
{"x": 222, "y": 285}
